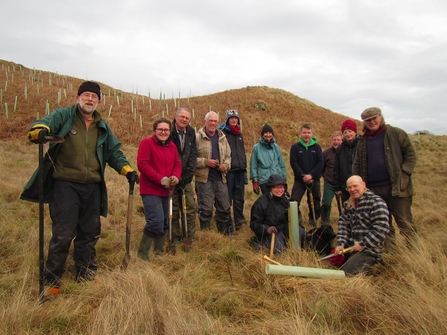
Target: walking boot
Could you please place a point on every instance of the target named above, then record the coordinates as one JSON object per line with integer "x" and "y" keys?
{"x": 159, "y": 243}
{"x": 145, "y": 245}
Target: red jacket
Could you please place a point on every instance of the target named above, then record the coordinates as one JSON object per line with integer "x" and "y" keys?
{"x": 155, "y": 161}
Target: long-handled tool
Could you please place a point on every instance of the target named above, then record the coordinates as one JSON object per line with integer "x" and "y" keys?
{"x": 126, "y": 259}
{"x": 339, "y": 202}
{"x": 43, "y": 138}
{"x": 272, "y": 245}
{"x": 311, "y": 202}
{"x": 172, "y": 248}
{"x": 344, "y": 251}
{"x": 187, "y": 241}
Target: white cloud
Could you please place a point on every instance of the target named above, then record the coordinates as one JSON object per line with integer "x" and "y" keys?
{"x": 345, "y": 55}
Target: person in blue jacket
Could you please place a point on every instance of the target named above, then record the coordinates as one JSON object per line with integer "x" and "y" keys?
{"x": 266, "y": 160}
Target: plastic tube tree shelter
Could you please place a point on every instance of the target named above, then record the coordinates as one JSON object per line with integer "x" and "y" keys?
{"x": 294, "y": 230}
{"x": 301, "y": 271}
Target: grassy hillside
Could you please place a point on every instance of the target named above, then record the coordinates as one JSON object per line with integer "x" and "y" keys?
{"x": 221, "y": 286}
{"x": 131, "y": 115}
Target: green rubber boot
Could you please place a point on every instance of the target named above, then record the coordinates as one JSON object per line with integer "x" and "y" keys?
{"x": 159, "y": 244}
{"x": 145, "y": 245}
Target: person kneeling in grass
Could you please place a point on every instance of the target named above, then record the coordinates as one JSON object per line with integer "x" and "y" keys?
{"x": 269, "y": 214}
{"x": 364, "y": 225}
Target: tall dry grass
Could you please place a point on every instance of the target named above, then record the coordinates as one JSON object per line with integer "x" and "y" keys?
{"x": 221, "y": 286}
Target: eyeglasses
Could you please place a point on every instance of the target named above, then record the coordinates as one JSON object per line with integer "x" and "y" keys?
{"x": 232, "y": 112}
{"x": 162, "y": 130}
{"x": 92, "y": 96}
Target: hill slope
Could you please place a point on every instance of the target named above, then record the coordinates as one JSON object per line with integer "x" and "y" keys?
{"x": 131, "y": 115}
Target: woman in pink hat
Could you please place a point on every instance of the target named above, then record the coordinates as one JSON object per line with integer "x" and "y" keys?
{"x": 345, "y": 157}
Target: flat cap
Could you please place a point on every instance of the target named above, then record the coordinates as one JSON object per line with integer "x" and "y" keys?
{"x": 371, "y": 113}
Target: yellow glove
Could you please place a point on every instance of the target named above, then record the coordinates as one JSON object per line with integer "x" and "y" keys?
{"x": 126, "y": 169}
{"x": 33, "y": 134}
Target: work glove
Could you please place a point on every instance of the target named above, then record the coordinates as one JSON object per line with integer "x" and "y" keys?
{"x": 174, "y": 180}
{"x": 166, "y": 182}
{"x": 256, "y": 187}
{"x": 132, "y": 177}
{"x": 272, "y": 229}
{"x": 33, "y": 134}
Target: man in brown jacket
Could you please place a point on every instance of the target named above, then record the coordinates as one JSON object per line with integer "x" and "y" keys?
{"x": 213, "y": 163}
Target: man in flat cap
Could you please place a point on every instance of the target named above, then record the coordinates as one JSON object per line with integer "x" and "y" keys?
{"x": 76, "y": 189}
{"x": 385, "y": 159}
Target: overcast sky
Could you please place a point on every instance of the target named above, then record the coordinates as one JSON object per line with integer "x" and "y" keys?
{"x": 344, "y": 55}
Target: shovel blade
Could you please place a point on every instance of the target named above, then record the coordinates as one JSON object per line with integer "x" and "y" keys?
{"x": 172, "y": 249}
{"x": 187, "y": 244}
{"x": 126, "y": 262}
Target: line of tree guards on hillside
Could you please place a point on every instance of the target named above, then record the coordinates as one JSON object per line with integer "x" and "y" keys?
{"x": 371, "y": 174}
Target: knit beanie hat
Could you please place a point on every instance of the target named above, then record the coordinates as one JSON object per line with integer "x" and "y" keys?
{"x": 232, "y": 113}
{"x": 266, "y": 129}
{"x": 349, "y": 124}
{"x": 90, "y": 86}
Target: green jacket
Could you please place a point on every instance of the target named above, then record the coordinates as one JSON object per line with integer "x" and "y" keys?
{"x": 108, "y": 150}
{"x": 400, "y": 157}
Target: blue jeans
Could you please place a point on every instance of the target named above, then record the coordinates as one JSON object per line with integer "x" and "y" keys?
{"x": 280, "y": 242}
{"x": 236, "y": 192}
{"x": 156, "y": 214}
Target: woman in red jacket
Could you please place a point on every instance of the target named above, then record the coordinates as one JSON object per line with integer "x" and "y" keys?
{"x": 160, "y": 169}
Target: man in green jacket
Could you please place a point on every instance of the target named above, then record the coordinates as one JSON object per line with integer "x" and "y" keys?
{"x": 74, "y": 182}
{"x": 385, "y": 158}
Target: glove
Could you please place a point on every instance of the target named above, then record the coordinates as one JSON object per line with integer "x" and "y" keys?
{"x": 35, "y": 136}
{"x": 272, "y": 229}
{"x": 174, "y": 180}
{"x": 132, "y": 177}
{"x": 166, "y": 182}
{"x": 256, "y": 187}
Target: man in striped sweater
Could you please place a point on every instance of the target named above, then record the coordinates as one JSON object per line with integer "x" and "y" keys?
{"x": 363, "y": 226}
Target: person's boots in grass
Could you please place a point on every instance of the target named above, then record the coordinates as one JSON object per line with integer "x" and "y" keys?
{"x": 145, "y": 245}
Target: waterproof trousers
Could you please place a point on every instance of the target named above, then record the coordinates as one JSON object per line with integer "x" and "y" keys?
{"x": 214, "y": 193}
{"x": 75, "y": 212}
{"x": 236, "y": 192}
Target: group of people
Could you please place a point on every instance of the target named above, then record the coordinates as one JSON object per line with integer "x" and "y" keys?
{"x": 370, "y": 173}
{"x": 383, "y": 160}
